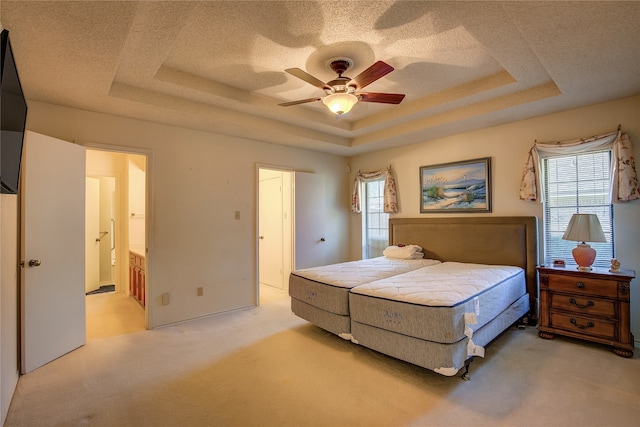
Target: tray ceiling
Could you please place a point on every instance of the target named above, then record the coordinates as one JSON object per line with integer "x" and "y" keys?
{"x": 219, "y": 65}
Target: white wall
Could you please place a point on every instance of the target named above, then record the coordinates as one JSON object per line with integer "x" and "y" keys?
{"x": 91, "y": 232}
{"x": 508, "y": 146}
{"x": 106, "y": 214}
{"x": 198, "y": 181}
{"x": 8, "y": 300}
{"x": 137, "y": 202}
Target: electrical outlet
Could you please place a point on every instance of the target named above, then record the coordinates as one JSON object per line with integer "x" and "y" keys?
{"x": 200, "y": 291}
{"x": 237, "y": 214}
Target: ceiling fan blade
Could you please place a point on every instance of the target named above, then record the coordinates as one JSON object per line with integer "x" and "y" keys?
{"x": 303, "y": 75}
{"x": 373, "y": 73}
{"x": 302, "y": 101}
{"x": 384, "y": 98}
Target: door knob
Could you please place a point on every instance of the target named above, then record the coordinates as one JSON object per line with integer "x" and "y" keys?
{"x": 261, "y": 237}
{"x": 322, "y": 239}
{"x": 34, "y": 262}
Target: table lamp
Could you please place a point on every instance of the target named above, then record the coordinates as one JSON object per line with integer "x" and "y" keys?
{"x": 584, "y": 228}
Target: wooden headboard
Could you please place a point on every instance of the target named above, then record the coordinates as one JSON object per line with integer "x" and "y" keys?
{"x": 481, "y": 240}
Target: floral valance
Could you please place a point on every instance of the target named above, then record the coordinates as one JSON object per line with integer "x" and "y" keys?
{"x": 624, "y": 181}
{"x": 390, "y": 199}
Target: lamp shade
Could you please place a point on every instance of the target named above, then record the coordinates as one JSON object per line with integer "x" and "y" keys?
{"x": 340, "y": 103}
{"x": 584, "y": 228}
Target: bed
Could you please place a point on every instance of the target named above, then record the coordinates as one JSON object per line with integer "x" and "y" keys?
{"x": 321, "y": 294}
{"x": 484, "y": 282}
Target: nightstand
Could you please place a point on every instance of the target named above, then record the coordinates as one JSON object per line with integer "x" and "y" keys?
{"x": 591, "y": 305}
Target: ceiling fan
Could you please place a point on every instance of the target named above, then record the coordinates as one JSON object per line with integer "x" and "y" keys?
{"x": 343, "y": 93}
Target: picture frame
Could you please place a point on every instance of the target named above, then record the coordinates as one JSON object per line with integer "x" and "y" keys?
{"x": 463, "y": 186}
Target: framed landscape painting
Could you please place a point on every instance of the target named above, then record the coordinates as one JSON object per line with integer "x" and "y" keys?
{"x": 456, "y": 187}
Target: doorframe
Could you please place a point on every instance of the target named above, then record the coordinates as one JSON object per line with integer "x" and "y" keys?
{"x": 149, "y": 197}
{"x": 256, "y": 230}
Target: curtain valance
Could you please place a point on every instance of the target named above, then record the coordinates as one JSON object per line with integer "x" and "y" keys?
{"x": 624, "y": 181}
{"x": 390, "y": 199}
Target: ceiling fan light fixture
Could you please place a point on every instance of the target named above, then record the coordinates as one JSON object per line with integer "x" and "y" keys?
{"x": 340, "y": 103}
{"x": 342, "y": 92}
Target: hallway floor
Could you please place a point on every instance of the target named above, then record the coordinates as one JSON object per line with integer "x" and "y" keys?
{"x": 110, "y": 314}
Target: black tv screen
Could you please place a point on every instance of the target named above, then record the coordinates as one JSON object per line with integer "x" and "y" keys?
{"x": 13, "y": 114}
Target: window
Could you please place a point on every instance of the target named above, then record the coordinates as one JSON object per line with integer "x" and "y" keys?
{"x": 577, "y": 184}
{"x": 375, "y": 224}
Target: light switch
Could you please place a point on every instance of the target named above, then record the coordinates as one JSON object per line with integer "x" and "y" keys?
{"x": 237, "y": 214}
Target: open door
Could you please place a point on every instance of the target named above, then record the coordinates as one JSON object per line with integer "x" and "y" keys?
{"x": 52, "y": 281}
{"x": 309, "y": 217}
{"x": 271, "y": 229}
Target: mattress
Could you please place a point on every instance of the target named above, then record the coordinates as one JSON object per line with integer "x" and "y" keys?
{"x": 437, "y": 303}
{"x": 327, "y": 287}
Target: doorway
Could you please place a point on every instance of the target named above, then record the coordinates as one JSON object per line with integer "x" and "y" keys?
{"x": 100, "y": 259}
{"x": 115, "y": 226}
{"x": 275, "y": 231}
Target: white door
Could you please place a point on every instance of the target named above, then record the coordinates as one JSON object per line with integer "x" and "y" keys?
{"x": 270, "y": 233}
{"x": 53, "y": 245}
{"x": 309, "y": 217}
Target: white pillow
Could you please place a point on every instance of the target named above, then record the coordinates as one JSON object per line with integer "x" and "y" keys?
{"x": 403, "y": 252}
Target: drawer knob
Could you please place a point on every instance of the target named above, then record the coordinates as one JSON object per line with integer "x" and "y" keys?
{"x": 580, "y": 285}
{"x": 575, "y": 323}
{"x": 574, "y": 302}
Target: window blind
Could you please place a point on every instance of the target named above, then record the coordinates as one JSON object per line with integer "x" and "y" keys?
{"x": 577, "y": 184}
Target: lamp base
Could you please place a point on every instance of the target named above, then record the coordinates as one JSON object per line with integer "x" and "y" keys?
{"x": 584, "y": 255}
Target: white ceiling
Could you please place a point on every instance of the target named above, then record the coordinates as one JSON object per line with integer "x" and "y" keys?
{"x": 219, "y": 65}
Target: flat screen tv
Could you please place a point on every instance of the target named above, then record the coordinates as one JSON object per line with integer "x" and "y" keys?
{"x": 13, "y": 115}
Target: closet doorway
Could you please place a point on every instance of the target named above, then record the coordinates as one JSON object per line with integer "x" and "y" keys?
{"x": 115, "y": 225}
{"x": 274, "y": 229}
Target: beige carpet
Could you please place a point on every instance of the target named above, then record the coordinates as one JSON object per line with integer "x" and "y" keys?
{"x": 265, "y": 367}
{"x": 110, "y": 314}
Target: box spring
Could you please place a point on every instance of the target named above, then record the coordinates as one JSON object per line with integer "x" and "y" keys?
{"x": 445, "y": 359}
{"x": 334, "y": 323}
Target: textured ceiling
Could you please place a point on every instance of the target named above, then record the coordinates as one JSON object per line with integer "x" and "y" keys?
{"x": 219, "y": 65}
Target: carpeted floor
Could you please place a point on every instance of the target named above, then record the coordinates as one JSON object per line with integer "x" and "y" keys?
{"x": 265, "y": 367}
{"x": 110, "y": 314}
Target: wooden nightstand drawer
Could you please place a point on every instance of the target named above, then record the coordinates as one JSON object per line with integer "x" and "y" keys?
{"x": 583, "y": 285}
{"x": 591, "y": 305}
{"x": 583, "y": 304}
{"x": 584, "y": 325}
